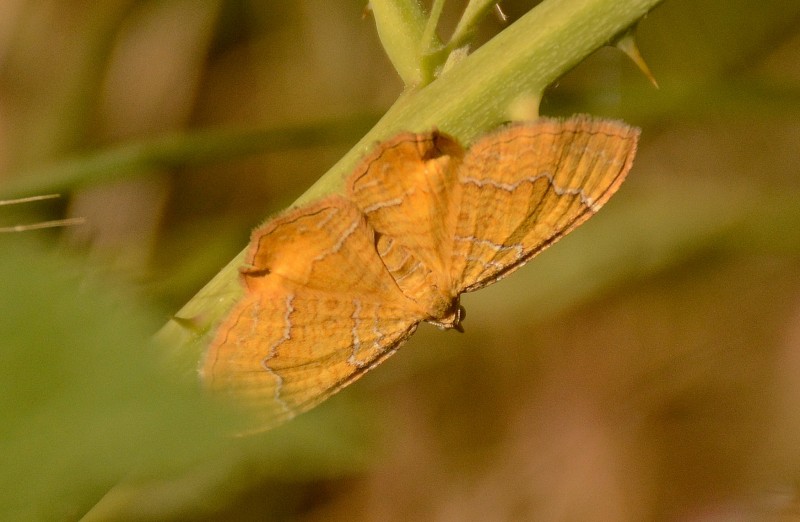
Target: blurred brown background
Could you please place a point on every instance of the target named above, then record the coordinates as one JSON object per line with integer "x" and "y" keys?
{"x": 644, "y": 369}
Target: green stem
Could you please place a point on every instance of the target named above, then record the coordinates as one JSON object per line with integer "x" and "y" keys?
{"x": 401, "y": 26}
{"x": 198, "y": 148}
{"x": 432, "y": 53}
{"x": 430, "y": 40}
{"x": 473, "y": 14}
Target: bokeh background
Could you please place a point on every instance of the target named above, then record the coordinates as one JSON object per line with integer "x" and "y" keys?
{"x": 646, "y": 368}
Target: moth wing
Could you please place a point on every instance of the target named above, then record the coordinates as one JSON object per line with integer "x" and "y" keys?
{"x": 527, "y": 185}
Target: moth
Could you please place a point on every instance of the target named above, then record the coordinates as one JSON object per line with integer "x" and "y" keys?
{"x": 335, "y": 287}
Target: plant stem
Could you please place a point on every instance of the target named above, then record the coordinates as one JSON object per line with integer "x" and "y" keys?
{"x": 401, "y": 25}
